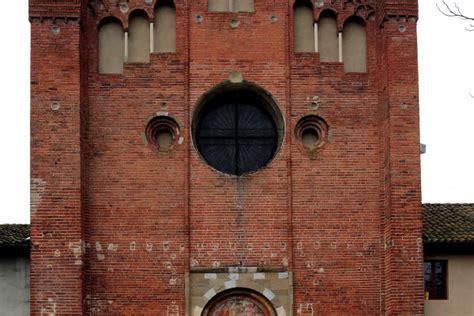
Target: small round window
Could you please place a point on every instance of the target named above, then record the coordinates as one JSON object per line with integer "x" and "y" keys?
{"x": 238, "y": 131}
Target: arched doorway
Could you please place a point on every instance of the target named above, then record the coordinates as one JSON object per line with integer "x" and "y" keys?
{"x": 239, "y": 302}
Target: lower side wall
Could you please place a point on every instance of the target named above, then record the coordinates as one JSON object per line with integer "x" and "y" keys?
{"x": 14, "y": 283}
{"x": 460, "y": 278}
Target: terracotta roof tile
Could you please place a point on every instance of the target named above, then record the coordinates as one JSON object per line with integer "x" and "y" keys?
{"x": 14, "y": 234}
{"x": 448, "y": 223}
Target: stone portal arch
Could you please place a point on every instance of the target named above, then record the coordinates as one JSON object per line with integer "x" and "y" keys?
{"x": 239, "y": 302}
{"x": 209, "y": 289}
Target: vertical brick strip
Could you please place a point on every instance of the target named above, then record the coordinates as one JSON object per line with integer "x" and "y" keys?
{"x": 56, "y": 222}
{"x": 403, "y": 219}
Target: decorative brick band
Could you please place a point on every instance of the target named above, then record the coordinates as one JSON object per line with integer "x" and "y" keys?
{"x": 390, "y": 9}
{"x": 44, "y": 9}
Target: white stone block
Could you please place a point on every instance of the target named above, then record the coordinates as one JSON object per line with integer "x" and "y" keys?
{"x": 268, "y": 294}
{"x": 234, "y": 276}
{"x": 210, "y": 276}
{"x": 280, "y": 311}
{"x": 198, "y": 310}
{"x": 210, "y": 294}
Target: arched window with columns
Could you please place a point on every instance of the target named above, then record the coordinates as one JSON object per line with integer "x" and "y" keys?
{"x": 138, "y": 37}
{"x": 328, "y": 42}
{"x": 111, "y": 46}
{"x": 164, "y": 39}
{"x": 354, "y": 46}
{"x": 303, "y": 27}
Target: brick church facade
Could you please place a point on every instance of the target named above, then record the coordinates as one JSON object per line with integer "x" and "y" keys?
{"x": 207, "y": 157}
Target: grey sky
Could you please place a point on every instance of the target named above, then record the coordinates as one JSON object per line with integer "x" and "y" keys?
{"x": 446, "y": 64}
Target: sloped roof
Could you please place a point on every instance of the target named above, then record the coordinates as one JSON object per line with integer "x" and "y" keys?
{"x": 448, "y": 223}
{"x": 14, "y": 234}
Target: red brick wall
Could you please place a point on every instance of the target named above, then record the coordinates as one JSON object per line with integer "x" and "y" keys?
{"x": 336, "y": 209}
{"x": 136, "y": 198}
{"x": 346, "y": 220}
{"x": 56, "y": 213}
{"x": 229, "y": 225}
{"x": 404, "y": 251}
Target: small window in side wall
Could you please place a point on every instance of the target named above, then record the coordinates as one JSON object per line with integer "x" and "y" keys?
{"x": 303, "y": 27}
{"x": 230, "y": 5}
{"x": 164, "y": 31}
{"x": 435, "y": 272}
{"x": 354, "y": 46}
{"x": 111, "y": 47}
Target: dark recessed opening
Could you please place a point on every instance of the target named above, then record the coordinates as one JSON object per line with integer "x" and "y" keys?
{"x": 310, "y": 137}
{"x": 162, "y": 132}
{"x": 311, "y": 131}
{"x": 164, "y": 138}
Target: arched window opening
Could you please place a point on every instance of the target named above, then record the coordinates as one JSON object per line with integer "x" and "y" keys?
{"x": 304, "y": 27}
{"x": 111, "y": 47}
{"x": 328, "y": 42}
{"x": 139, "y": 37}
{"x": 164, "y": 31}
{"x": 354, "y": 46}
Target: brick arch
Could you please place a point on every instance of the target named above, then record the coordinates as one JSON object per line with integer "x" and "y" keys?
{"x": 164, "y": 2}
{"x": 328, "y": 11}
{"x": 109, "y": 19}
{"x": 306, "y": 3}
{"x": 355, "y": 19}
{"x": 138, "y": 11}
